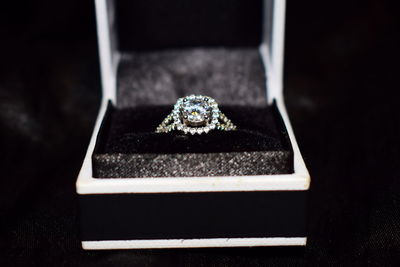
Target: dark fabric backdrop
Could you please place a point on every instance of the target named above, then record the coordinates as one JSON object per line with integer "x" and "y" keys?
{"x": 341, "y": 93}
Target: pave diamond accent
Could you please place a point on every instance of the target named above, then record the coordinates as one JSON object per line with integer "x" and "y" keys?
{"x": 195, "y": 114}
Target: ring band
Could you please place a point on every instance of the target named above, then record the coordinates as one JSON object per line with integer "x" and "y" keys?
{"x": 195, "y": 114}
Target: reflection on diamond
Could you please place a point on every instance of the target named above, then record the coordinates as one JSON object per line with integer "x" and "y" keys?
{"x": 196, "y": 112}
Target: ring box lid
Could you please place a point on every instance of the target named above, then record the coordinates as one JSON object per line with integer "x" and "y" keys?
{"x": 271, "y": 46}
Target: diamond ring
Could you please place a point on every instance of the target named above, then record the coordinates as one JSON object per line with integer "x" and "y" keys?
{"x": 195, "y": 114}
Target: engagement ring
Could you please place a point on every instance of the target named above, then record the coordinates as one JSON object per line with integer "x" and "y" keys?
{"x": 195, "y": 114}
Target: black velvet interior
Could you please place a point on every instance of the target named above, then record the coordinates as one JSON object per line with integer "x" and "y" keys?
{"x": 159, "y": 24}
{"x": 233, "y": 76}
{"x": 176, "y": 48}
{"x": 151, "y": 77}
{"x": 128, "y": 133}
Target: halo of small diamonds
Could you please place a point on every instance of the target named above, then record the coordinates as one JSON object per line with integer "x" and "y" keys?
{"x": 195, "y": 114}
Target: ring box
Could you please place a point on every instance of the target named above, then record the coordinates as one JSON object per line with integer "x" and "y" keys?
{"x": 141, "y": 189}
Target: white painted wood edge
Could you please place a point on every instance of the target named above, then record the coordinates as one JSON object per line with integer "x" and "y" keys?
{"x": 299, "y": 180}
{"x": 195, "y": 243}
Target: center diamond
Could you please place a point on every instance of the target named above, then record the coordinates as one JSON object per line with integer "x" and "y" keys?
{"x": 196, "y": 112}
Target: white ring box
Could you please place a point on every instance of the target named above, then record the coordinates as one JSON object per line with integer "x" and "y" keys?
{"x": 183, "y": 212}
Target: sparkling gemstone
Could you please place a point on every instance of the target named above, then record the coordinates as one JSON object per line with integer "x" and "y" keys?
{"x": 196, "y": 112}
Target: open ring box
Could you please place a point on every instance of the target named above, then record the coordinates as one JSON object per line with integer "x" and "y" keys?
{"x": 141, "y": 189}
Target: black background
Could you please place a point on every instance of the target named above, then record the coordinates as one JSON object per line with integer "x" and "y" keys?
{"x": 341, "y": 93}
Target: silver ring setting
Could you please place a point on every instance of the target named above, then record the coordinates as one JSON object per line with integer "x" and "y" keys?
{"x": 195, "y": 114}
